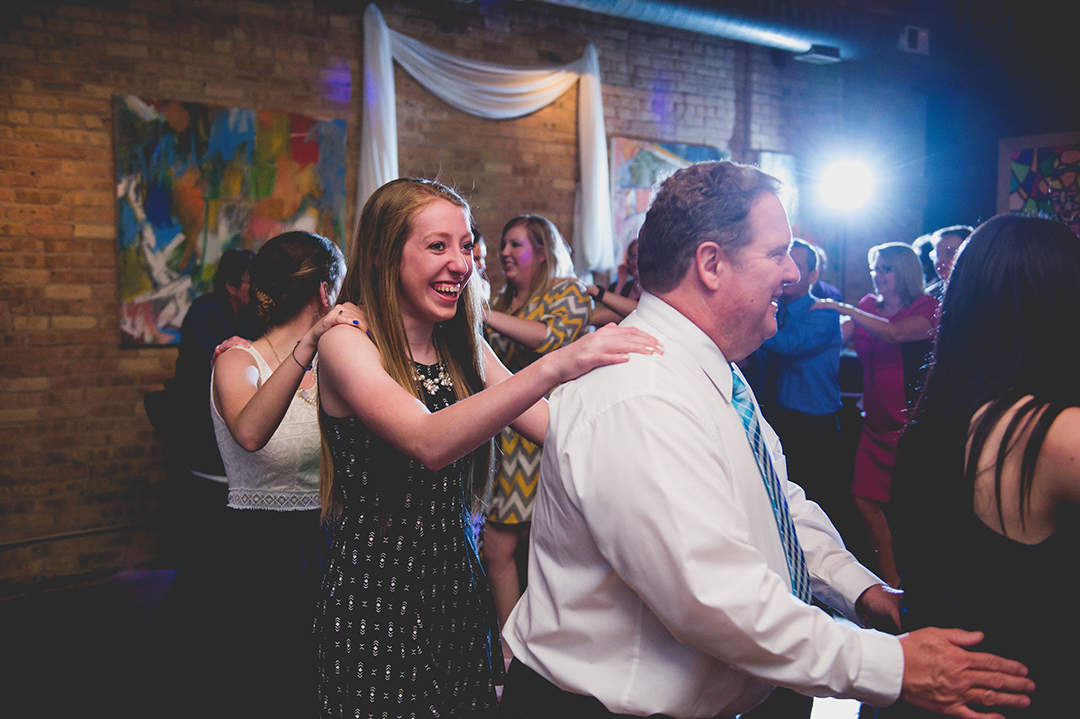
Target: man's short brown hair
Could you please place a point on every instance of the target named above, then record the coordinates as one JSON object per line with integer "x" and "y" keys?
{"x": 705, "y": 202}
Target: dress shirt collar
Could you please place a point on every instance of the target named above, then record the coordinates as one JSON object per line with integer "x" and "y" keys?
{"x": 676, "y": 326}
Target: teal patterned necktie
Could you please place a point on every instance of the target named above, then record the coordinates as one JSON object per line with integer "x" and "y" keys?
{"x": 796, "y": 560}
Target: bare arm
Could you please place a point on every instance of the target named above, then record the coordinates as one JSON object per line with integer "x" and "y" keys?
{"x": 252, "y": 412}
{"x": 353, "y": 381}
{"x": 603, "y": 315}
{"x": 847, "y": 330}
{"x": 528, "y": 333}
{"x": 612, "y": 301}
{"x": 532, "y": 423}
{"x": 908, "y": 329}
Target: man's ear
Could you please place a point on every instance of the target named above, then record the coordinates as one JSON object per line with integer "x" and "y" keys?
{"x": 814, "y": 275}
{"x": 711, "y": 264}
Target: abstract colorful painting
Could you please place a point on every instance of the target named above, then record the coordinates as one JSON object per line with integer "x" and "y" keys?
{"x": 637, "y": 166}
{"x": 195, "y": 180}
{"x": 1041, "y": 174}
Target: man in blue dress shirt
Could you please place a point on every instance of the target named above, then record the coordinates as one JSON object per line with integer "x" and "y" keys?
{"x": 804, "y": 357}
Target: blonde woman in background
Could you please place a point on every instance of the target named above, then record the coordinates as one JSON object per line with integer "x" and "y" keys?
{"x": 893, "y": 329}
{"x": 541, "y": 308}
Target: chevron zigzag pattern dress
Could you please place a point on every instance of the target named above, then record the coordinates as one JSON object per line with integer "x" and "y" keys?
{"x": 565, "y": 309}
{"x": 406, "y": 624}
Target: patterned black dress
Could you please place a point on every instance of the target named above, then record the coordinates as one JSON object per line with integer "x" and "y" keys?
{"x": 406, "y": 625}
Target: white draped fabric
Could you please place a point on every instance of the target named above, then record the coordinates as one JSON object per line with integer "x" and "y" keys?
{"x": 496, "y": 92}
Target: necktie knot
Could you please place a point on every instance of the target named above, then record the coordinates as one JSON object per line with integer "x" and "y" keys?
{"x": 744, "y": 407}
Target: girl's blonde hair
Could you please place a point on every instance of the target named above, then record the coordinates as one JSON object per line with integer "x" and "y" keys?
{"x": 557, "y": 264}
{"x": 373, "y": 283}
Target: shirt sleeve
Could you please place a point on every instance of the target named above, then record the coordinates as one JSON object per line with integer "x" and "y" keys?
{"x": 806, "y": 334}
{"x": 667, "y": 516}
{"x": 837, "y": 577}
{"x": 565, "y": 309}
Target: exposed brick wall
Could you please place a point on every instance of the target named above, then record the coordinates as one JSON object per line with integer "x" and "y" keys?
{"x": 81, "y": 463}
{"x": 78, "y": 454}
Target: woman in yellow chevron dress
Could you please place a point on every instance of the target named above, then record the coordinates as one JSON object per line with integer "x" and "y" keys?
{"x": 541, "y": 308}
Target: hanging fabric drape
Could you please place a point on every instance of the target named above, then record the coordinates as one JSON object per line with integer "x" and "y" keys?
{"x": 491, "y": 91}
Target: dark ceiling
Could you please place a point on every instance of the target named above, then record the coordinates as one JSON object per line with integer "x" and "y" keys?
{"x": 994, "y": 69}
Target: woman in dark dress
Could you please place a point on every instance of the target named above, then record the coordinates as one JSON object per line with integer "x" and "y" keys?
{"x": 406, "y": 626}
{"x": 987, "y": 478}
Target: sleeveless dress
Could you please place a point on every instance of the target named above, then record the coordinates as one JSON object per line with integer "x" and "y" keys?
{"x": 566, "y": 309}
{"x": 406, "y": 625}
{"x": 957, "y": 572}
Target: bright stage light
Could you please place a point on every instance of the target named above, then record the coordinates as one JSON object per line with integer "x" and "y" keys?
{"x": 846, "y": 185}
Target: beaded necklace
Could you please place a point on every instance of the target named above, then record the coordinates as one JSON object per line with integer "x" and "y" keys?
{"x": 432, "y": 385}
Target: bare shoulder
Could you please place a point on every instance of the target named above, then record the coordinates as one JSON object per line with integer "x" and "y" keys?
{"x": 494, "y": 370}
{"x": 348, "y": 352}
{"x": 236, "y": 380}
{"x": 345, "y": 332}
{"x": 1060, "y": 455}
{"x": 349, "y": 366}
{"x": 234, "y": 359}
{"x": 343, "y": 341}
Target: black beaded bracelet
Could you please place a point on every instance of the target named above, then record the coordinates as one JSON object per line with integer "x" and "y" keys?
{"x": 293, "y": 355}
{"x": 599, "y": 294}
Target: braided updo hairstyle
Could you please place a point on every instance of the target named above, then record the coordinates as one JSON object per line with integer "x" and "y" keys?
{"x": 288, "y": 271}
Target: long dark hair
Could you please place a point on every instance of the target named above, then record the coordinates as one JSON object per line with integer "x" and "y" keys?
{"x": 1011, "y": 300}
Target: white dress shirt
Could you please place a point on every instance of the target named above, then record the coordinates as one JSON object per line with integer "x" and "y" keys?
{"x": 657, "y": 578}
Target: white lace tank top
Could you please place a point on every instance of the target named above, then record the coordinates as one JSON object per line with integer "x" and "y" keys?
{"x": 283, "y": 475}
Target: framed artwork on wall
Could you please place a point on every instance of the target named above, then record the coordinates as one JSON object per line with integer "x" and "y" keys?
{"x": 195, "y": 180}
{"x": 1041, "y": 174}
{"x": 637, "y": 167}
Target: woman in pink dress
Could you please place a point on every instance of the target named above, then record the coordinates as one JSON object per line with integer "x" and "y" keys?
{"x": 891, "y": 329}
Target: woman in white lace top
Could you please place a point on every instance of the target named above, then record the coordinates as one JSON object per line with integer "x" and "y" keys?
{"x": 264, "y": 410}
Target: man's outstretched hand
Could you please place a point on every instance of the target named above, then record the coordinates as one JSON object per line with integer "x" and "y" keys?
{"x": 941, "y": 675}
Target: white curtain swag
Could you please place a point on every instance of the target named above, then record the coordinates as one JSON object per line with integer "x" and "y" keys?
{"x": 495, "y": 92}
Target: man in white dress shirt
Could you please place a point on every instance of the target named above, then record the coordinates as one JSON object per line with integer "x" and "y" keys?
{"x": 659, "y": 581}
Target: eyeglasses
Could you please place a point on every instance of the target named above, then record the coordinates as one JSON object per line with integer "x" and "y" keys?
{"x": 881, "y": 269}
